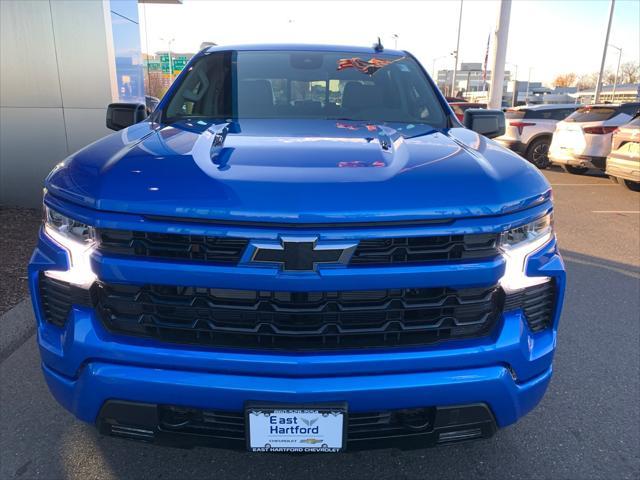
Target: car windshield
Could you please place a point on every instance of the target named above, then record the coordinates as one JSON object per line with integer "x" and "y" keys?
{"x": 592, "y": 114}
{"x": 307, "y": 85}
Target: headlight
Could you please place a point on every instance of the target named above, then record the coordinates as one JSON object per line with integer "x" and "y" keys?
{"x": 516, "y": 245}
{"x": 68, "y": 227}
{"x": 529, "y": 233}
{"x": 78, "y": 239}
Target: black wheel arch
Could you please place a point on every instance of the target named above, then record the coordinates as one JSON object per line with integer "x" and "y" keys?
{"x": 539, "y": 136}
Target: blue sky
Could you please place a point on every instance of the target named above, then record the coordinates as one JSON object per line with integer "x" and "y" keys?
{"x": 548, "y": 36}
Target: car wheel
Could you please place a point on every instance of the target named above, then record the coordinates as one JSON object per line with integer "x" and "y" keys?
{"x": 633, "y": 186}
{"x": 538, "y": 153}
{"x": 575, "y": 170}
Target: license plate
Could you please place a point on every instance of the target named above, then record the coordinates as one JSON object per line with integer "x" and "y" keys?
{"x": 296, "y": 429}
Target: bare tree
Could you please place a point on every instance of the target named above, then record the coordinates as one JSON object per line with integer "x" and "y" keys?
{"x": 609, "y": 77}
{"x": 629, "y": 72}
{"x": 587, "y": 81}
{"x": 565, "y": 80}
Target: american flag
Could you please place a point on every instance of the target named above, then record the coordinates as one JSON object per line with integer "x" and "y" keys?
{"x": 486, "y": 60}
{"x": 369, "y": 67}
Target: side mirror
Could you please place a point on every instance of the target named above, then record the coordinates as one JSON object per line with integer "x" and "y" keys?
{"x": 123, "y": 115}
{"x": 490, "y": 123}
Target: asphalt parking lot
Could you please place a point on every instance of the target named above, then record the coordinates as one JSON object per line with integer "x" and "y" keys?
{"x": 587, "y": 426}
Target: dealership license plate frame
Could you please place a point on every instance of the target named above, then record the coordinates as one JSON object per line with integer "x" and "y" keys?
{"x": 329, "y": 408}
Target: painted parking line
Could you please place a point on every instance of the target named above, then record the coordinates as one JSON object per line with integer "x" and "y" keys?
{"x": 615, "y": 211}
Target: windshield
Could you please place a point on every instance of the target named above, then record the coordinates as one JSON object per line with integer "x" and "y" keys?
{"x": 307, "y": 84}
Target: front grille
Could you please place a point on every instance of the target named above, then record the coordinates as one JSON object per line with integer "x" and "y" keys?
{"x": 383, "y": 251}
{"x": 537, "y": 303}
{"x": 57, "y": 297}
{"x": 425, "y": 249}
{"x": 231, "y": 425}
{"x": 172, "y": 246}
{"x": 299, "y": 320}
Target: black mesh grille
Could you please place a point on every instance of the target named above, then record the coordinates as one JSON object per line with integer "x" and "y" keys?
{"x": 57, "y": 297}
{"x": 425, "y": 249}
{"x": 537, "y": 302}
{"x": 172, "y": 246}
{"x": 299, "y": 321}
{"x": 229, "y": 250}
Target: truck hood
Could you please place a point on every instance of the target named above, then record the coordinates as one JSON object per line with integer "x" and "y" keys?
{"x": 298, "y": 171}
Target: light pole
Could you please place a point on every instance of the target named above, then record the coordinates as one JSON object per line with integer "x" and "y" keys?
{"x": 500, "y": 39}
{"x": 514, "y": 97}
{"x": 169, "y": 42}
{"x": 615, "y": 78}
{"x": 395, "y": 40}
{"x": 526, "y": 95}
{"x": 433, "y": 66}
{"x": 455, "y": 65}
{"x": 596, "y": 97}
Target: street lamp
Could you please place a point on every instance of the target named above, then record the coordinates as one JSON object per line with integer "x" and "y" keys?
{"x": 615, "y": 79}
{"x": 514, "y": 97}
{"x": 395, "y": 40}
{"x": 169, "y": 42}
{"x": 526, "y": 97}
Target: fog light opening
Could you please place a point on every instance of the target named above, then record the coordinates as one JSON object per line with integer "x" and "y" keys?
{"x": 459, "y": 435}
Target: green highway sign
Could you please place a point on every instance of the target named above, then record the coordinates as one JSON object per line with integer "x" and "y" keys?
{"x": 178, "y": 63}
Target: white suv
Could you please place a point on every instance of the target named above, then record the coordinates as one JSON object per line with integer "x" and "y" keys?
{"x": 583, "y": 140}
{"x": 529, "y": 130}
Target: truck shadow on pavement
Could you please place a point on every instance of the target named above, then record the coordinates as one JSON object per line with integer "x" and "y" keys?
{"x": 586, "y": 426}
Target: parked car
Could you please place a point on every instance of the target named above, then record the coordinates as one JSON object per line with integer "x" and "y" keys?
{"x": 583, "y": 140}
{"x": 623, "y": 163}
{"x": 529, "y": 130}
{"x": 252, "y": 268}
{"x": 460, "y": 107}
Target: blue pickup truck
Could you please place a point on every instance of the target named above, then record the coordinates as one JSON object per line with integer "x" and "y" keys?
{"x": 301, "y": 249}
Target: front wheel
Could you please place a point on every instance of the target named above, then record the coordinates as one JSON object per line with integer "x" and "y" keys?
{"x": 538, "y": 153}
{"x": 633, "y": 186}
{"x": 575, "y": 170}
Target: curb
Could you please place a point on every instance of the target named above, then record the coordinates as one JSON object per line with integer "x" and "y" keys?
{"x": 16, "y": 327}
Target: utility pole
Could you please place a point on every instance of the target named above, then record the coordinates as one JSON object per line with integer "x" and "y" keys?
{"x": 500, "y": 38}
{"x": 615, "y": 79}
{"x": 455, "y": 65}
{"x": 596, "y": 97}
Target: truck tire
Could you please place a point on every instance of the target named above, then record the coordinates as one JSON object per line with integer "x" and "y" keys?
{"x": 538, "y": 151}
{"x": 633, "y": 186}
{"x": 575, "y": 170}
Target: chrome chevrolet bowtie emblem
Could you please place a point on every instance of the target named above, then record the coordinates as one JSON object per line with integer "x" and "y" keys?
{"x": 302, "y": 254}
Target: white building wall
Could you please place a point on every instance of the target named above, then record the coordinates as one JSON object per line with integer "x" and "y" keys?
{"x": 56, "y": 78}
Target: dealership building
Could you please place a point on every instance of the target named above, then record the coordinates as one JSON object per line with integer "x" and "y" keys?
{"x": 61, "y": 64}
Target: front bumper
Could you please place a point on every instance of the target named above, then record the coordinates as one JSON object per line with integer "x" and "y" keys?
{"x": 85, "y": 365}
